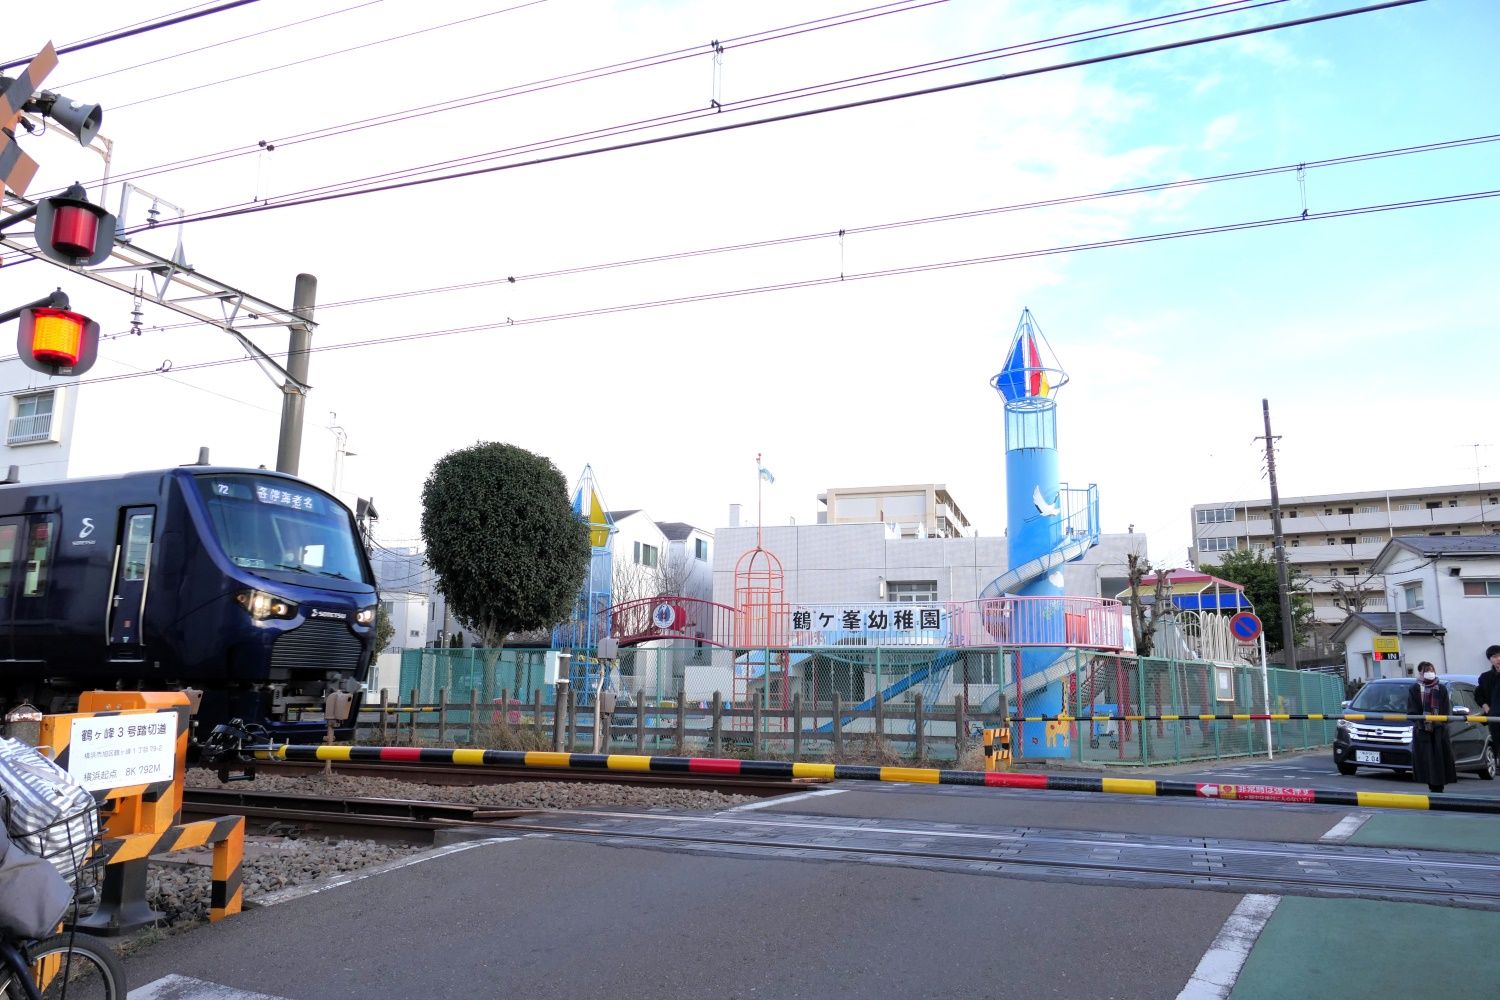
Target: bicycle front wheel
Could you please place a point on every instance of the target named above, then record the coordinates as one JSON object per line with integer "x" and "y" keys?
{"x": 76, "y": 966}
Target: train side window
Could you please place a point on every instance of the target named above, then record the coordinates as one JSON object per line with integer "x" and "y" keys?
{"x": 137, "y": 546}
{"x": 8, "y": 533}
{"x": 38, "y": 557}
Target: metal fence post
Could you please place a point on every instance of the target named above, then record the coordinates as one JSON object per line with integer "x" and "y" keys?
{"x": 640, "y": 720}
{"x": 960, "y": 727}
{"x": 920, "y": 724}
{"x": 559, "y": 721}
{"x": 442, "y": 736}
{"x": 716, "y": 748}
{"x": 681, "y": 721}
{"x": 473, "y": 716}
{"x": 838, "y": 726}
{"x": 572, "y": 718}
{"x": 796, "y": 725}
{"x": 385, "y": 702}
{"x": 412, "y": 732}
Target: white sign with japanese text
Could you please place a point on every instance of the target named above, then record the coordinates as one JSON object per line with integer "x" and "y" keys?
{"x": 113, "y": 751}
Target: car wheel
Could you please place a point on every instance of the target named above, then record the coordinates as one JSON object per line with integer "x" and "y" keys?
{"x": 1345, "y": 769}
{"x": 1487, "y": 763}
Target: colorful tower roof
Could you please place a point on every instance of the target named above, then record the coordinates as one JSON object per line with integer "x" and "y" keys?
{"x": 1031, "y": 371}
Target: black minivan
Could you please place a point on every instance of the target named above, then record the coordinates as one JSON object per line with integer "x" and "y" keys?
{"x": 1387, "y": 745}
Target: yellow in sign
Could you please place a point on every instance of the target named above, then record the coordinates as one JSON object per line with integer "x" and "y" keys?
{"x": 1387, "y": 644}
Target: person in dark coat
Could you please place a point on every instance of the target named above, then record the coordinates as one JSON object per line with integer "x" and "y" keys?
{"x": 1487, "y": 693}
{"x": 1431, "y": 748}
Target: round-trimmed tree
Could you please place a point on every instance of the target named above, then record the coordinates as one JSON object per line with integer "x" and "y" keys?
{"x": 501, "y": 535}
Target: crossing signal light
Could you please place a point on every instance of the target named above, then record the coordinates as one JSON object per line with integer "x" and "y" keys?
{"x": 72, "y": 231}
{"x": 57, "y": 341}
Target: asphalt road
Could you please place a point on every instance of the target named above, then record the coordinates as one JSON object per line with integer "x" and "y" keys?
{"x": 1316, "y": 770}
{"x": 557, "y": 916}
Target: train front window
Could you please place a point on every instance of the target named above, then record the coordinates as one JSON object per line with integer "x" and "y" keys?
{"x": 282, "y": 529}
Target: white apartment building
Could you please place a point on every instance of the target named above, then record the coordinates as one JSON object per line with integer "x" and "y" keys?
{"x": 660, "y": 557}
{"x": 38, "y": 426}
{"x": 1332, "y": 540}
{"x": 918, "y": 511}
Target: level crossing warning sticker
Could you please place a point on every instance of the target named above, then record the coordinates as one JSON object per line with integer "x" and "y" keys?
{"x": 113, "y": 751}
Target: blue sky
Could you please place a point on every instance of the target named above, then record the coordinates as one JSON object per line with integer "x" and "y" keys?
{"x": 1372, "y": 336}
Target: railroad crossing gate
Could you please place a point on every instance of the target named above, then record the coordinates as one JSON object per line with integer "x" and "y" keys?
{"x": 129, "y": 748}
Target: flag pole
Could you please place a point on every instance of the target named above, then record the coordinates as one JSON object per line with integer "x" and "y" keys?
{"x": 759, "y": 488}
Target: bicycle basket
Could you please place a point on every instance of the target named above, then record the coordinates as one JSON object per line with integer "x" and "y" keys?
{"x": 46, "y": 811}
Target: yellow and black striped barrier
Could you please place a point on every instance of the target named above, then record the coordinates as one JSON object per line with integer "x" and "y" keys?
{"x": 145, "y": 819}
{"x": 1259, "y": 717}
{"x": 865, "y": 772}
{"x": 997, "y": 749}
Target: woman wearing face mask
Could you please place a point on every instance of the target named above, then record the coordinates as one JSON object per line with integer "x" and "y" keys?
{"x": 1431, "y": 749}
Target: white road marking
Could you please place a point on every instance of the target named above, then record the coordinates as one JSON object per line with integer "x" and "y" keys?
{"x": 1345, "y": 828}
{"x": 298, "y": 891}
{"x": 175, "y": 987}
{"x": 777, "y": 800}
{"x": 1215, "y": 976}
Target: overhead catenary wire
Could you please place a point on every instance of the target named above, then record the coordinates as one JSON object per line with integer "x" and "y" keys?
{"x": 792, "y": 239}
{"x": 599, "y": 72}
{"x": 139, "y": 28}
{"x": 219, "y": 44}
{"x": 213, "y": 214}
{"x": 511, "y": 322}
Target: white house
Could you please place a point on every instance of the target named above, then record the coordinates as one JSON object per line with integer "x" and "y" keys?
{"x": 1446, "y": 592}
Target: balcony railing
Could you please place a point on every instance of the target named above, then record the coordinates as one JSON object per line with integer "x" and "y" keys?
{"x": 26, "y": 430}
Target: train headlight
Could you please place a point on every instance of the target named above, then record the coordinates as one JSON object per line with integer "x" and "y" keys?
{"x": 364, "y": 616}
{"x": 262, "y": 605}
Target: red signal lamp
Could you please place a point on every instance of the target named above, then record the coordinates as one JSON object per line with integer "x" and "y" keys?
{"x": 71, "y": 230}
{"x": 57, "y": 341}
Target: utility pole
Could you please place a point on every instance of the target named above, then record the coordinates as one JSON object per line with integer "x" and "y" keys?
{"x": 1288, "y": 633}
{"x": 294, "y": 398}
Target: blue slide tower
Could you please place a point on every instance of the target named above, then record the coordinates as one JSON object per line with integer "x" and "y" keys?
{"x": 1046, "y": 526}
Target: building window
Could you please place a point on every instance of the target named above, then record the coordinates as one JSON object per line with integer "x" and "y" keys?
{"x": 911, "y": 591}
{"x": 1351, "y": 571}
{"x": 700, "y": 549}
{"x": 1369, "y": 539}
{"x": 1482, "y": 588}
{"x": 1412, "y": 594}
{"x": 1216, "y": 515}
{"x": 645, "y": 555}
{"x": 1216, "y": 544}
{"x": 31, "y": 418}
{"x": 1257, "y": 546}
{"x": 1290, "y": 513}
{"x": 1434, "y": 504}
{"x": 1256, "y": 515}
{"x": 1452, "y": 503}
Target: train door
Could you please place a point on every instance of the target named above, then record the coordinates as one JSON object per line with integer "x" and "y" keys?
{"x": 132, "y": 576}
{"x": 10, "y": 539}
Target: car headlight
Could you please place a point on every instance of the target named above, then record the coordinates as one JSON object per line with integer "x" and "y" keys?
{"x": 364, "y": 616}
{"x": 262, "y": 605}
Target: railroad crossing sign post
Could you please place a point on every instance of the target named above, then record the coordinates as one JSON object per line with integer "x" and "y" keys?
{"x": 1246, "y": 627}
{"x": 16, "y": 168}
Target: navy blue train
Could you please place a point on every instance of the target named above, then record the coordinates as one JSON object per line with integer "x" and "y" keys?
{"x": 248, "y": 586}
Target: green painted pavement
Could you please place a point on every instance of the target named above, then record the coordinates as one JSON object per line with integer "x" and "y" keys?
{"x": 1352, "y": 949}
{"x": 1430, "y": 832}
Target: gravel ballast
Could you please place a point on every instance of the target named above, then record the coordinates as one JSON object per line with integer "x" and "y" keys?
{"x": 179, "y": 885}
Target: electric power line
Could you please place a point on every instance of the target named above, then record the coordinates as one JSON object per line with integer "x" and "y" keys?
{"x": 838, "y": 279}
{"x": 213, "y": 214}
{"x": 139, "y": 28}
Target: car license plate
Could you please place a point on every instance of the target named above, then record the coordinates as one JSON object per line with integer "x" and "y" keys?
{"x": 1367, "y": 756}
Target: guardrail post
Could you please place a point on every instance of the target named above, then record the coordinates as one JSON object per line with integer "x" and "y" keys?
{"x": 442, "y": 716}
{"x": 797, "y": 725}
{"x": 640, "y": 720}
{"x": 385, "y": 704}
{"x": 473, "y": 716}
{"x": 920, "y": 722}
{"x": 716, "y": 749}
{"x": 838, "y": 726}
{"x": 681, "y": 720}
